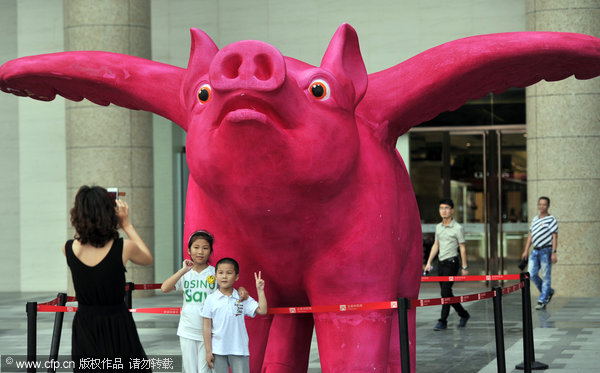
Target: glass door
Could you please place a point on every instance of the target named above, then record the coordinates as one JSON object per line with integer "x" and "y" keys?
{"x": 468, "y": 190}
{"x": 513, "y": 227}
{"x": 484, "y": 172}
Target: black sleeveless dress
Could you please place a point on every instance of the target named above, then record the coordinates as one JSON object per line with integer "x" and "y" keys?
{"x": 103, "y": 328}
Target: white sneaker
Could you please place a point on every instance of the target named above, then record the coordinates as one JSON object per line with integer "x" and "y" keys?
{"x": 540, "y": 306}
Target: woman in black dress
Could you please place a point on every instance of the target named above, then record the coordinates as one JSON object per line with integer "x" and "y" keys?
{"x": 104, "y": 334}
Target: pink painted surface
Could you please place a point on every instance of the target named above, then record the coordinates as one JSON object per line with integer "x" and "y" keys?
{"x": 294, "y": 167}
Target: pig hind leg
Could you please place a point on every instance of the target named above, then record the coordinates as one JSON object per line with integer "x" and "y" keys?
{"x": 258, "y": 331}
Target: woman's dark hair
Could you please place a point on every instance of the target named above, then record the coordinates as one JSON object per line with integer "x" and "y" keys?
{"x": 94, "y": 217}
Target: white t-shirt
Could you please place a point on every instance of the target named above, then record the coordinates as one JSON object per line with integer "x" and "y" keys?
{"x": 196, "y": 289}
{"x": 229, "y": 335}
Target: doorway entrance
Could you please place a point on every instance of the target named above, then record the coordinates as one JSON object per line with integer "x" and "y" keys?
{"x": 484, "y": 171}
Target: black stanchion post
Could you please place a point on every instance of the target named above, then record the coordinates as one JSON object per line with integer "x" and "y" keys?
{"x": 403, "y": 307}
{"x": 58, "y": 323}
{"x": 527, "y": 341}
{"x": 499, "y": 326}
{"x": 529, "y": 362}
{"x": 128, "y": 294}
{"x": 31, "y": 309}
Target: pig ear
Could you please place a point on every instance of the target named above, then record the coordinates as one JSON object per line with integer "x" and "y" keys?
{"x": 202, "y": 53}
{"x": 343, "y": 59}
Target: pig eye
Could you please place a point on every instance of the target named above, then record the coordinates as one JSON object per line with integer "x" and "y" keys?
{"x": 319, "y": 89}
{"x": 204, "y": 94}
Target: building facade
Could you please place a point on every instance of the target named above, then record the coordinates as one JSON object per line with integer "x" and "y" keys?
{"x": 494, "y": 156}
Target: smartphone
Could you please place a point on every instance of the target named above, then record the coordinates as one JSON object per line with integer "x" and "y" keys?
{"x": 114, "y": 193}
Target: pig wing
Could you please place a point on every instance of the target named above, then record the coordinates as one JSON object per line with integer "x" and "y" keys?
{"x": 445, "y": 77}
{"x": 101, "y": 77}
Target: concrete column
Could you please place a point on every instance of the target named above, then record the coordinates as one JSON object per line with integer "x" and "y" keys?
{"x": 10, "y": 257}
{"x": 112, "y": 146}
{"x": 563, "y": 138}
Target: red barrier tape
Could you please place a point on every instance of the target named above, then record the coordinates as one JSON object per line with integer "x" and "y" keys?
{"x": 51, "y": 306}
{"x": 147, "y": 286}
{"x": 143, "y": 286}
{"x": 164, "y": 311}
{"x": 463, "y": 298}
{"x": 282, "y": 310}
{"x": 470, "y": 278}
{"x": 317, "y": 309}
{"x": 423, "y": 279}
{"x": 450, "y": 300}
{"x": 46, "y": 308}
{"x": 513, "y": 288}
{"x": 336, "y": 308}
{"x": 56, "y": 300}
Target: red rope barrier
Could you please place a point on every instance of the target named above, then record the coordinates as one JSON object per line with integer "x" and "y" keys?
{"x": 164, "y": 311}
{"x": 423, "y": 279}
{"x": 470, "y": 278}
{"x": 335, "y": 308}
{"x": 147, "y": 286}
{"x": 282, "y": 310}
{"x": 51, "y": 306}
{"x": 56, "y": 300}
{"x": 513, "y": 288}
{"x": 463, "y": 298}
{"x": 47, "y": 308}
{"x": 450, "y": 300}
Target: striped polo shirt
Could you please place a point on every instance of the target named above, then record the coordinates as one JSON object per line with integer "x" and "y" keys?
{"x": 542, "y": 229}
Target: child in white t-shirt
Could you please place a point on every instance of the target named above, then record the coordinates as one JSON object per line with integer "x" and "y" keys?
{"x": 225, "y": 335}
{"x": 197, "y": 280}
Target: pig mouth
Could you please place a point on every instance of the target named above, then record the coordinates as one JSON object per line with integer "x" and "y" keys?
{"x": 248, "y": 109}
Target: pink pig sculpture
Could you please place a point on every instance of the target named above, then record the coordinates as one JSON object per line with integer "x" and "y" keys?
{"x": 294, "y": 168}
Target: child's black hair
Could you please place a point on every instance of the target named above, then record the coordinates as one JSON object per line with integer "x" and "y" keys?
{"x": 236, "y": 266}
{"x": 204, "y": 235}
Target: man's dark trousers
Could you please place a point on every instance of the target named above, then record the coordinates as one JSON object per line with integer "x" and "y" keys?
{"x": 449, "y": 267}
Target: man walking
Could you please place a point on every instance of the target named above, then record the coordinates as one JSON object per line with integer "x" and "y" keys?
{"x": 449, "y": 239}
{"x": 543, "y": 236}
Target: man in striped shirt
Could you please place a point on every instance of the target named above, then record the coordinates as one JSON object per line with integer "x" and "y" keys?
{"x": 543, "y": 237}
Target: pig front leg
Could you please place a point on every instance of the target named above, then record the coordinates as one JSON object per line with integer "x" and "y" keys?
{"x": 288, "y": 347}
{"x": 394, "y": 362}
{"x": 258, "y": 333}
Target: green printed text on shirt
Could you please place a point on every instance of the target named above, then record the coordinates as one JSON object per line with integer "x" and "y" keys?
{"x": 195, "y": 290}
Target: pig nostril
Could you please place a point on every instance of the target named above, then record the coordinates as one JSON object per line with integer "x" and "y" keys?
{"x": 247, "y": 65}
{"x": 231, "y": 66}
{"x": 264, "y": 67}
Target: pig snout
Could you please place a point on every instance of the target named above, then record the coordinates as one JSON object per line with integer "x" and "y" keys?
{"x": 249, "y": 64}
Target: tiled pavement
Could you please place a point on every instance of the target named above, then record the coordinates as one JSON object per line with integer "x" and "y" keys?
{"x": 567, "y": 333}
